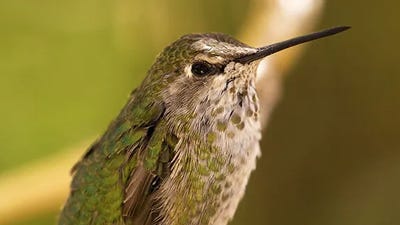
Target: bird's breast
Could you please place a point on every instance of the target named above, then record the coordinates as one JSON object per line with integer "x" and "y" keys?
{"x": 213, "y": 162}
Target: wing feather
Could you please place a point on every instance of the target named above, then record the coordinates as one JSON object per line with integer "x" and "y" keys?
{"x": 112, "y": 170}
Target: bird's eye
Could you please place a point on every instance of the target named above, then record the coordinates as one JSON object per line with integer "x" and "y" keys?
{"x": 203, "y": 68}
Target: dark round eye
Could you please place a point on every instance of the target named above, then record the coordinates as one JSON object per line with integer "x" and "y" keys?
{"x": 203, "y": 68}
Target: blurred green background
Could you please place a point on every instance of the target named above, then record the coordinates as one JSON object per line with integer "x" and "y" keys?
{"x": 331, "y": 153}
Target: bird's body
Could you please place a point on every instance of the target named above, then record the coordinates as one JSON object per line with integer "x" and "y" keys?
{"x": 180, "y": 152}
{"x": 182, "y": 149}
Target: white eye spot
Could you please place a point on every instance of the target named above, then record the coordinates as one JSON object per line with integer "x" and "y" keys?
{"x": 188, "y": 71}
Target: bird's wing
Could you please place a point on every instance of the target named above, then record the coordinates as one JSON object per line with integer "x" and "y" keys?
{"x": 140, "y": 206}
{"x": 114, "y": 181}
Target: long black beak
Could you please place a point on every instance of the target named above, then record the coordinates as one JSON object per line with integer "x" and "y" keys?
{"x": 271, "y": 49}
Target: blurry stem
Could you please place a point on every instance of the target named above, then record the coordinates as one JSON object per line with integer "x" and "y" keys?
{"x": 272, "y": 21}
{"x": 38, "y": 187}
{"x": 43, "y": 186}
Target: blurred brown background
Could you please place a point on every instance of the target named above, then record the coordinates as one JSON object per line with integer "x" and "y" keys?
{"x": 331, "y": 152}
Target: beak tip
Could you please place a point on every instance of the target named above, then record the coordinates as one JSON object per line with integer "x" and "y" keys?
{"x": 341, "y": 28}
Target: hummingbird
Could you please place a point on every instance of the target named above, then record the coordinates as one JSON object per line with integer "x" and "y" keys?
{"x": 182, "y": 149}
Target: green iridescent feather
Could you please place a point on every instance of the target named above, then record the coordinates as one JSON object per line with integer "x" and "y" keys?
{"x": 101, "y": 177}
